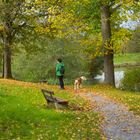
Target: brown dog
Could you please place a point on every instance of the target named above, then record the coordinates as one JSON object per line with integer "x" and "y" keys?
{"x": 78, "y": 82}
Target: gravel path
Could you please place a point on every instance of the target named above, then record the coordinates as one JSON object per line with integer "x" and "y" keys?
{"x": 119, "y": 123}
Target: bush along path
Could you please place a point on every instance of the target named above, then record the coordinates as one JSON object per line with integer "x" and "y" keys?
{"x": 119, "y": 123}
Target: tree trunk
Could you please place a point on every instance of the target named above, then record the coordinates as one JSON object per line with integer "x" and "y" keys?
{"x": 7, "y": 59}
{"x": 107, "y": 46}
{"x": 2, "y": 66}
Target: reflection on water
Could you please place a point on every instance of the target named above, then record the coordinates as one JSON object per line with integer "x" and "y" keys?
{"x": 118, "y": 77}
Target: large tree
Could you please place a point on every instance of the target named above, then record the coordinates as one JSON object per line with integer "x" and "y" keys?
{"x": 107, "y": 45}
{"x": 15, "y": 16}
{"x": 112, "y": 14}
{"x": 11, "y": 21}
{"x": 108, "y": 10}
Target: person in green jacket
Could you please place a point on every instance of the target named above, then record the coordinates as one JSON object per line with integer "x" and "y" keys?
{"x": 60, "y": 72}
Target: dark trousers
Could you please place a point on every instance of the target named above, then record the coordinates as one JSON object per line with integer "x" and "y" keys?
{"x": 61, "y": 83}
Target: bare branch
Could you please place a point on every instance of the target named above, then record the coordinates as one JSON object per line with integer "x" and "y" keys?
{"x": 116, "y": 6}
{"x": 16, "y": 29}
{"x": 112, "y": 3}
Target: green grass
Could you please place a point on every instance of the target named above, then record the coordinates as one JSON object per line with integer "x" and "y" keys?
{"x": 127, "y": 58}
{"x": 24, "y": 116}
{"x": 130, "y": 99}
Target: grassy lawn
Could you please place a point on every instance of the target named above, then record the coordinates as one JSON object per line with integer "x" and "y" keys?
{"x": 130, "y": 99}
{"x": 127, "y": 58}
{"x": 24, "y": 116}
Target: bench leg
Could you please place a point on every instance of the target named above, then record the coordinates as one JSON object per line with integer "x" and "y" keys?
{"x": 51, "y": 105}
{"x": 56, "y": 105}
{"x": 60, "y": 106}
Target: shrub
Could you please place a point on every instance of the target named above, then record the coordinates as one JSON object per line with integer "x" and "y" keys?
{"x": 93, "y": 68}
{"x": 131, "y": 80}
{"x": 55, "y": 81}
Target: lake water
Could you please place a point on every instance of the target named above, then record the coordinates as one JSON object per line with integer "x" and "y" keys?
{"x": 119, "y": 74}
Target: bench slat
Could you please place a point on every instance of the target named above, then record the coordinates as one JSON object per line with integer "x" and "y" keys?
{"x": 48, "y": 98}
{"x": 60, "y": 100}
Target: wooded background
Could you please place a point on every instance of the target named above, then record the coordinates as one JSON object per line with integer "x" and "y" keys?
{"x": 84, "y": 33}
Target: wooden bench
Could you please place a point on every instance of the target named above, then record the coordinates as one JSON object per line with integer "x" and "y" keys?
{"x": 52, "y": 100}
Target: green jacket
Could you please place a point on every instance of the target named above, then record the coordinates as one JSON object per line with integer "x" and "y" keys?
{"x": 58, "y": 67}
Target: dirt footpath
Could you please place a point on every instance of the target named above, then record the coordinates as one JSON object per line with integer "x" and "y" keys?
{"x": 119, "y": 123}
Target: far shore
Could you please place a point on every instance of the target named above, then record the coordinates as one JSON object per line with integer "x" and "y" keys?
{"x": 127, "y": 65}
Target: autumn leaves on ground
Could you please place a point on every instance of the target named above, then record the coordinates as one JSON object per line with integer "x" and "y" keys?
{"x": 25, "y": 116}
